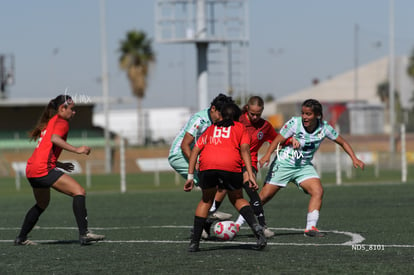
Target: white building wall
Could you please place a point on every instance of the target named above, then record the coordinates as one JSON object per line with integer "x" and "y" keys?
{"x": 162, "y": 124}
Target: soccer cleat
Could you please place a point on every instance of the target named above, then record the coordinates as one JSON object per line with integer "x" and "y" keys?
{"x": 237, "y": 227}
{"x": 268, "y": 233}
{"x": 313, "y": 232}
{"x": 90, "y": 237}
{"x": 261, "y": 239}
{"x": 221, "y": 216}
{"x": 19, "y": 241}
{"x": 194, "y": 247}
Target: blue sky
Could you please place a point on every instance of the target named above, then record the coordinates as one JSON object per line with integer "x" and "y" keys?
{"x": 57, "y": 46}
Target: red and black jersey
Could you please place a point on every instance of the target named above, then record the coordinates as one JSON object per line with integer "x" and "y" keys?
{"x": 220, "y": 147}
{"x": 45, "y": 155}
{"x": 260, "y": 132}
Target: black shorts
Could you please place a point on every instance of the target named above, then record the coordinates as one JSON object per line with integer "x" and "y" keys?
{"x": 245, "y": 170}
{"x": 46, "y": 181}
{"x": 221, "y": 179}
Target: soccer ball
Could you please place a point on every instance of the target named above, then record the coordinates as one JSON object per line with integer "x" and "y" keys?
{"x": 225, "y": 230}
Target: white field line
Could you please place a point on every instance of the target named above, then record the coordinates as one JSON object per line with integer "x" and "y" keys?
{"x": 355, "y": 238}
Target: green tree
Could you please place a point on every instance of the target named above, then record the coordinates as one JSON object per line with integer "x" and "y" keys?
{"x": 383, "y": 94}
{"x": 410, "y": 113}
{"x": 136, "y": 59}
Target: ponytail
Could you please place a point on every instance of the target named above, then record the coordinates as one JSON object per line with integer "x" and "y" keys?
{"x": 49, "y": 111}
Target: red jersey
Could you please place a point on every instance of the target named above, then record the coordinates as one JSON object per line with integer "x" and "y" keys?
{"x": 46, "y": 154}
{"x": 220, "y": 147}
{"x": 260, "y": 132}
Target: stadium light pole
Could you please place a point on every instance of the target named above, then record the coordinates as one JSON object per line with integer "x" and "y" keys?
{"x": 356, "y": 61}
{"x": 105, "y": 92}
{"x": 391, "y": 78}
{"x": 202, "y": 61}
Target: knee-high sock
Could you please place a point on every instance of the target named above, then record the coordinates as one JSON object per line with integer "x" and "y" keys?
{"x": 256, "y": 204}
{"x": 30, "y": 220}
{"x": 79, "y": 210}
{"x": 197, "y": 229}
{"x": 248, "y": 215}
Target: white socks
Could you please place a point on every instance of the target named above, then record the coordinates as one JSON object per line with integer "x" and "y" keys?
{"x": 213, "y": 207}
{"x": 312, "y": 219}
{"x": 240, "y": 220}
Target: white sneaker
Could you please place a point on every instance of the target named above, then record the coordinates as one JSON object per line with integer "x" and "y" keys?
{"x": 217, "y": 215}
{"x": 18, "y": 241}
{"x": 268, "y": 233}
{"x": 90, "y": 237}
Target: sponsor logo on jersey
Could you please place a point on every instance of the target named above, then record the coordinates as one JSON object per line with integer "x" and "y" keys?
{"x": 321, "y": 135}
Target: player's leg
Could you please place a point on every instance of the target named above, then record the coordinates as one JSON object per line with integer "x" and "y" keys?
{"x": 214, "y": 214}
{"x": 240, "y": 220}
{"x": 255, "y": 202}
{"x": 308, "y": 179}
{"x": 314, "y": 188}
{"x": 257, "y": 207}
{"x": 200, "y": 217}
{"x": 268, "y": 192}
{"x": 69, "y": 186}
{"x": 245, "y": 210}
{"x": 42, "y": 197}
{"x": 180, "y": 165}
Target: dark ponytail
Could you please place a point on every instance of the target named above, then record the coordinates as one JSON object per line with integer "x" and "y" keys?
{"x": 49, "y": 111}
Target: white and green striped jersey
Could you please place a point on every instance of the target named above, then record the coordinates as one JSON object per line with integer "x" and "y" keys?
{"x": 195, "y": 126}
{"x": 309, "y": 142}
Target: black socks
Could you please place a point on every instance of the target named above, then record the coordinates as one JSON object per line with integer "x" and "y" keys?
{"x": 255, "y": 203}
{"x": 248, "y": 215}
{"x": 30, "y": 221}
{"x": 198, "y": 229}
{"x": 79, "y": 209}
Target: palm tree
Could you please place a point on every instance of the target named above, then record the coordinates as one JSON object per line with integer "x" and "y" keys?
{"x": 136, "y": 58}
{"x": 410, "y": 68}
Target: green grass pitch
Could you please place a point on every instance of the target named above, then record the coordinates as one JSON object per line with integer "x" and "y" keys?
{"x": 369, "y": 230}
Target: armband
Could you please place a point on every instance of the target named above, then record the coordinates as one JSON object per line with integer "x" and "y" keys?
{"x": 190, "y": 176}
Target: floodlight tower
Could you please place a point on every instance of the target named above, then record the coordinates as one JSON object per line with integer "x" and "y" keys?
{"x": 6, "y": 73}
{"x": 203, "y": 22}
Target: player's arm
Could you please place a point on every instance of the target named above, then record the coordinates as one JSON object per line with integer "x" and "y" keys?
{"x": 246, "y": 157}
{"x": 189, "y": 184}
{"x": 348, "y": 149}
{"x": 186, "y": 145}
{"x": 60, "y": 142}
{"x": 276, "y": 143}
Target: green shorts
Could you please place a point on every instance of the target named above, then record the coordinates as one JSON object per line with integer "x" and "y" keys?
{"x": 281, "y": 175}
{"x": 180, "y": 165}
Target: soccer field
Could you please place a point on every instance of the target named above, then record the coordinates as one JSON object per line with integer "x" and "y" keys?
{"x": 369, "y": 230}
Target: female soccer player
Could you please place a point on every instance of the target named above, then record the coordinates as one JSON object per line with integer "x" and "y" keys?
{"x": 293, "y": 162}
{"x": 42, "y": 173}
{"x": 260, "y": 131}
{"x": 183, "y": 143}
{"x": 222, "y": 148}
